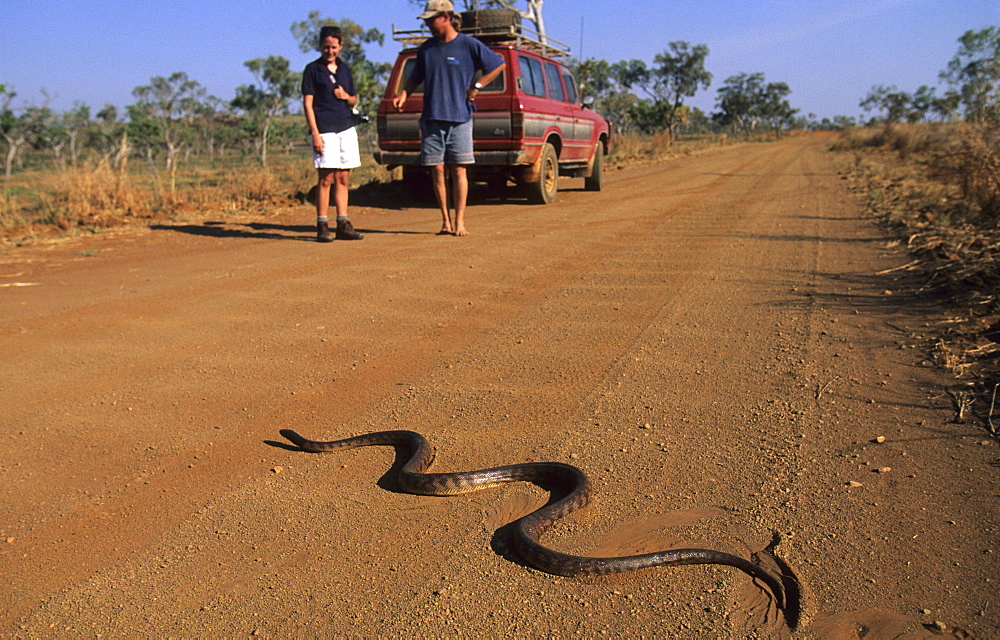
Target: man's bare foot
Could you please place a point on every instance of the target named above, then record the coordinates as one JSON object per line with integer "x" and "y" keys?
{"x": 445, "y": 231}
{"x": 461, "y": 231}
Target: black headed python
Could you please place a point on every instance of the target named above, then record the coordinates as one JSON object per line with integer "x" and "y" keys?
{"x": 413, "y": 479}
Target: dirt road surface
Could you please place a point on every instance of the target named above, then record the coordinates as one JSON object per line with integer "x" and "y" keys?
{"x": 708, "y": 339}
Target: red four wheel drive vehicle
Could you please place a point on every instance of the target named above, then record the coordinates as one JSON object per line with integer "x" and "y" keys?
{"x": 529, "y": 125}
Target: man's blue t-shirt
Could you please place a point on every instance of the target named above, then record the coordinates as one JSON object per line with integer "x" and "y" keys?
{"x": 447, "y": 70}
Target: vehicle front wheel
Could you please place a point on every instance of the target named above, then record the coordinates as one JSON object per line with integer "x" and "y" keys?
{"x": 595, "y": 181}
{"x": 543, "y": 191}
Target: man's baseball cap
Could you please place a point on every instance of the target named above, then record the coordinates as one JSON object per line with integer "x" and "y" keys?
{"x": 434, "y": 7}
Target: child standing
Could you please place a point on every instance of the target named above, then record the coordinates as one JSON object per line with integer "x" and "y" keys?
{"x": 328, "y": 98}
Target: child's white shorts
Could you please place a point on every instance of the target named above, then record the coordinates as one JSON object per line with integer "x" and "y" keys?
{"x": 340, "y": 151}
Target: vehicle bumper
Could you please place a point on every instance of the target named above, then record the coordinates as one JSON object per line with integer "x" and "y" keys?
{"x": 489, "y": 158}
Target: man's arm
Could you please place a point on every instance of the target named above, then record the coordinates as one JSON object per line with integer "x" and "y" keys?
{"x": 485, "y": 80}
{"x": 400, "y": 98}
{"x": 492, "y": 75}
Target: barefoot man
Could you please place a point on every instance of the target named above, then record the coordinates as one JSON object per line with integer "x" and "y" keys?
{"x": 447, "y": 64}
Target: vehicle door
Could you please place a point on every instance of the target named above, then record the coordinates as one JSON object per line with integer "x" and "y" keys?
{"x": 563, "y": 113}
{"x": 583, "y": 122}
{"x": 492, "y": 125}
{"x": 538, "y": 122}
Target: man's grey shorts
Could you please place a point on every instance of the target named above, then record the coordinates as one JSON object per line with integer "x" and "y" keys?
{"x": 443, "y": 142}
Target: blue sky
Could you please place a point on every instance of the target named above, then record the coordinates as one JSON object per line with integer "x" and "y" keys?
{"x": 829, "y": 52}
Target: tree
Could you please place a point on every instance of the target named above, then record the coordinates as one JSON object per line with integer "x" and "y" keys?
{"x": 775, "y": 110}
{"x": 287, "y": 133}
{"x": 843, "y": 122}
{"x": 649, "y": 117}
{"x": 19, "y": 129}
{"x": 947, "y": 105}
{"x": 74, "y": 122}
{"x": 974, "y": 72}
{"x": 206, "y": 120}
{"x": 12, "y": 128}
{"x": 48, "y": 132}
{"x": 736, "y": 101}
{"x": 892, "y": 104}
{"x": 676, "y": 74}
{"x": 111, "y": 137}
{"x": 699, "y": 122}
{"x": 618, "y": 107}
{"x": 922, "y": 102}
{"x": 369, "y": 76}
{"x": 276, "y": 84}
{"x": 170, "y": 102}
{"x": 745, "y": 101}
{"x": 145, "y": 131}
{"x": 593, "y": 77}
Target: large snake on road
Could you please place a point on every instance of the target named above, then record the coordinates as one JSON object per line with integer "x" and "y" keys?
{"x": 413, "y": 479}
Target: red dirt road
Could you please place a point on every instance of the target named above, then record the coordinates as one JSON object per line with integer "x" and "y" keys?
{"x": 707, "y": 338}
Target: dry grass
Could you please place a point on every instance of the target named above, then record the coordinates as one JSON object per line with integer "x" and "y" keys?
{"x": 98, "y": 195}
{"x": 979, "y": 168}
{"x": 958, "y": 155}
{"x": 905, "y": 139}
{"x": 95, "y": 196}
{"x": 938, "y": 187}
{"x": 35, "y": 204}
{"x": 632, "y": 148}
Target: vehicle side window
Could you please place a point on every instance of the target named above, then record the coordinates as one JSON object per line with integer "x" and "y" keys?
{"x": 555, "y": 87}
{"x": 496, "y": 85}
{"x": 570, "y": 86}
{"x": 407, "y": 71}
{"x": 531, "y": 76}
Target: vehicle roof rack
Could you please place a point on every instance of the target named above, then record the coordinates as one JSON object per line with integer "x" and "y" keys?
{"x": 518, "y": 36}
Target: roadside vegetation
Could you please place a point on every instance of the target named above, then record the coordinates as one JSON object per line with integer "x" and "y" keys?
{"x": 103, "y": 191}
{"x": 936, "y": 185}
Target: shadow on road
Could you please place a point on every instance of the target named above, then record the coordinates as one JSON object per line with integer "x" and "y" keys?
{"x": 253, "y": 230}
{"x": 398, "y": 195}
{"x": 395, "y": 196}
{"x": 263, "y": 230}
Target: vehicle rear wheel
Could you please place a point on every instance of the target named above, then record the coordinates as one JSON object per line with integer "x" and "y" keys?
{"x": 595, "y": 181}
{"x": 544, "y": 190}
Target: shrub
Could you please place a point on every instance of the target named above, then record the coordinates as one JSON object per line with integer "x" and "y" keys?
{"x": 633, "y": 146}
{"x": 853, "y": 139}
{"x": 979, "y": 169}
{"x": 98, "y": 196}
